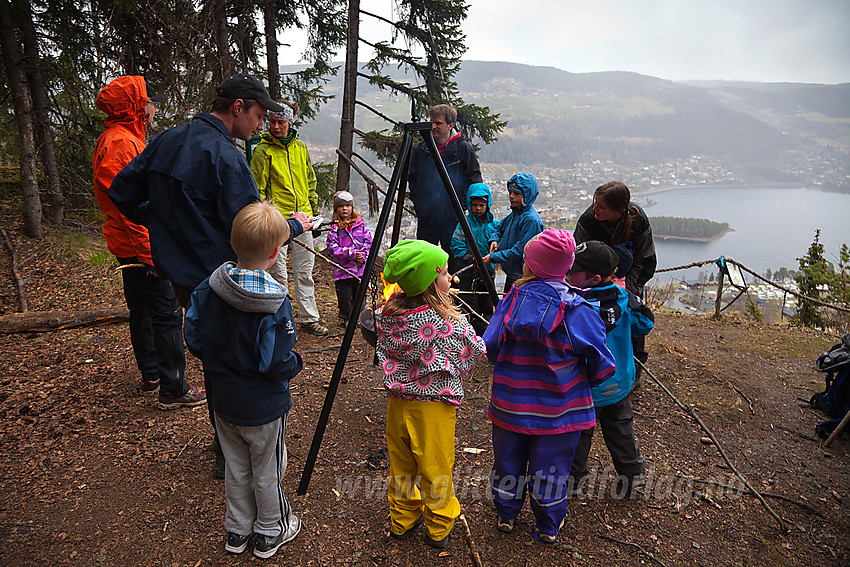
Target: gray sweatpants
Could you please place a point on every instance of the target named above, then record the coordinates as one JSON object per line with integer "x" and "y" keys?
{"x": 255, "y": 459}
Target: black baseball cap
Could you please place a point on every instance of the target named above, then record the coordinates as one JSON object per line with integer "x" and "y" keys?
{"x": 596, "y": 258}
{"x": 247, "y": 87}
{"x": 153, "y": 94}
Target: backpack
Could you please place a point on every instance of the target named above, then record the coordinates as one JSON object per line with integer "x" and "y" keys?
{"x": 834, "y": 401}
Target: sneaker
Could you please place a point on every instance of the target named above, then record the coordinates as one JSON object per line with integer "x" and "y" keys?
{"x": 315, "y": 328}
{"x": 236, "y": 543}
{"x": 266, "y": 546}
{"x": 149, "y": 387}
{"x": 194, "y": 397}
{"x": 546, "y": 538}
{"x": 440, "y": 543}
{"x": 504, "y": 525}
{"x": 405, "y": 534}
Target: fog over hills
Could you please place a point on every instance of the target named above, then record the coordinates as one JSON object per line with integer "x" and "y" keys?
{"x": 734, "y": 131}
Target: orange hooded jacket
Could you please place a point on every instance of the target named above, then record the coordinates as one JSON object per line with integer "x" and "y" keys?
{"x": 123, "y": 138}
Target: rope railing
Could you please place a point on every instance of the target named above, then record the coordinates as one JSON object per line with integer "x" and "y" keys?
{"x": 756, "y": 275}
{"x": 787, "y": 290}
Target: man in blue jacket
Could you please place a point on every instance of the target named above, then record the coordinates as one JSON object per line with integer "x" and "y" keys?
{"x": 436, "y": 217}
{"x": 189, "y": 183}
{"x": 521, "y": 225}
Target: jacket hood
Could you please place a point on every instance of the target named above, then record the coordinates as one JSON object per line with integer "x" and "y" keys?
{"x": 528, "y": 187}
{"x": 123, "y": 100}
{"x": 537, "y": 308}
{"x": 239, "y": 297}
{"x": 480, "y": 191}
{"x": 269, "y": 139}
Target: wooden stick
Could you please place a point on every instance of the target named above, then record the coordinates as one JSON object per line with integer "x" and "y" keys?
{"x": 768, "y": 494}
{"x": 690, "y": 411}
{"x": 648, "y": 554}
{"x": 476, "y": 558}
{"x": 752, "y": 411}
{"x": 19, "y": 282}
{"x": 838, "y": 429}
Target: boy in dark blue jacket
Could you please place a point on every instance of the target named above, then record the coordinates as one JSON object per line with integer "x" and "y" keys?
{"x": 239, "y": 323}
{"x": 515, "y": 230}
{"x": 625, "y": 316}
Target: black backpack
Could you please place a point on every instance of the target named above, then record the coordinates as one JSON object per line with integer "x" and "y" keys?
{"x": 835, "y": 400}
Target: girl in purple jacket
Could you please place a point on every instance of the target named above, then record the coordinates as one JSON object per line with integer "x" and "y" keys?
{"x": 348, "y": 244}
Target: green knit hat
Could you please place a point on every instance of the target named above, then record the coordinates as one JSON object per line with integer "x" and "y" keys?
{"x": 414, "y": 264}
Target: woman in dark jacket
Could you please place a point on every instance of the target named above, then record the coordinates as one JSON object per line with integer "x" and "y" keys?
{"x": 615, "y": 220}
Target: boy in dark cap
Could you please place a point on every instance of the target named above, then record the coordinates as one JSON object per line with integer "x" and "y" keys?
{"x": 624, "y": 315}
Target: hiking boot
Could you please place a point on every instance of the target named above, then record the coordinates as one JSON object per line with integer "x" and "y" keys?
{"x": 149, "y": 387}
{"x": 266, "y": 546}
{"x": 194, "y": 397}
{"x": 505, "y": 525}
{"x": 315, "y": 328}
{"x": 236, "y": 543}
{"x": 406, "y": 533}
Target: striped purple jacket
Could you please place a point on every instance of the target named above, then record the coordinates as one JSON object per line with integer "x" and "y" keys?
{"x": 548, "y": 348}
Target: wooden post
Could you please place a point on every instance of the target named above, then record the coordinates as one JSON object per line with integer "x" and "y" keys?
{"x": 837, "y": 430}
{"x": 719, "y": 300}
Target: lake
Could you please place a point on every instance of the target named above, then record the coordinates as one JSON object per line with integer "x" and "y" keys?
{"x": 772, "y": 227}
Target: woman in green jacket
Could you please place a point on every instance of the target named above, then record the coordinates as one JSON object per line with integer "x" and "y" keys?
{"x": 284, "y": 174}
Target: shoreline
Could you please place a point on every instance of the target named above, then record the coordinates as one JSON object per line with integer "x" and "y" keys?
{"x": 786, "y": 185}
{"x": 692, "y": 238}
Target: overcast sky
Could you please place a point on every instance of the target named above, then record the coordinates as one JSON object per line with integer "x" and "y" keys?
{"x": 754, "y": 40}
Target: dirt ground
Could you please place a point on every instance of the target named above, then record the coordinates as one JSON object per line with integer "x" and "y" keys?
{"x": 92, "y": 473}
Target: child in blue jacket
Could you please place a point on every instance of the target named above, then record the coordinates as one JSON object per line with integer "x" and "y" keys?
{"x": 485, "y": 231}
{"x": 625, "y": 316}
{"x": 239, "y": 323}
{"x": 516, "y": 229}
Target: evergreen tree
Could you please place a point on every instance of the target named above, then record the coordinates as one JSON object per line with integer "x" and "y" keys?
{"x": 432, "y": 30}
{"x": 813, "y": 280}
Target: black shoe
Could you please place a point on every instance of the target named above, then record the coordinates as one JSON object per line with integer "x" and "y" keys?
{"x": 236, "y": 543}
{"x": 266, "y": 546}
{"x": 218, "y": 467}
{"x": 406, "y": 533}
{"x": 440, "y": 543}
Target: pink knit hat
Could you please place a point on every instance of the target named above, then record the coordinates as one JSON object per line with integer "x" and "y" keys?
{"x": 550, "y": 254}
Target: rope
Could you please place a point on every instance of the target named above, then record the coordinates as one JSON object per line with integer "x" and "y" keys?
{"x": 787, "y": 290}
{"x": 757, "y": 276}
{"x": 691, "y": 265}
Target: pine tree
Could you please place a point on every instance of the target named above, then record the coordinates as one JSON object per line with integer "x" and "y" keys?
{"x": 813, "y": 280}
{"x": 432, "y": 28}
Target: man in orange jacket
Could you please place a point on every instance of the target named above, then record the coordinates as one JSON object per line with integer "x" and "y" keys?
{"x": 156, "y": 319}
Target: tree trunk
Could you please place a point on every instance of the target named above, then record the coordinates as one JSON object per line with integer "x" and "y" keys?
{"x": 271, "y": 49}
{"x": 41, "y": 321}
{"x": 349, "y": 96}
{"x": 222, "y": 38}
{"x": 54, "y": 210}
{"x": 20, "y": 96}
